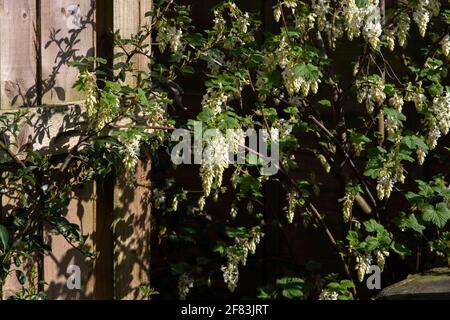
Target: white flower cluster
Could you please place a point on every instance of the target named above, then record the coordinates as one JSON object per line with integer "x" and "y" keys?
{"x": 363, "y": 266}
{"x": 321, "y": 9}
{"x": 421, "y": 16}
{"x": 98, "y": 110}
{"x": 219, "y": 22}
{"x": 236, "y": 255}
{"x": 324, "y": 162}
{"x": 328, "y": 295}
{"x": 290, "y": 4}
{"x": 291, "y": 197}
{"x": 372, "y": 25}
{"x": 397, "y": 102}
{"x": 91, "y": 92}
{"x": 421, "y": 155}
{"x": 129, "y": 151}
{"x": 347, "y": 206}
{"x": 441, "y": 114}
{"x": 445, "y": 46}
{"x": 305, "y": 23}
{"x": 368, "y": 18}
{"x": 215, "y": 161}
{"x": 371, "y": 91}
{"x": 390, "y": 39}
{"x": 433, "y": 136}
{"x": 185, "y": 284}
{"x": 216, "y": 100}
{"x": 403, "y": 26}
{"x": 159, "y": 197}
{"x": 216, "y": 158}
{"x": 415, "y": 94}
{"x": 381, "y": 258}
{"x": 441, "y": 110}
{"x": 391, "y": 173}
{"x": 295, "y": 83}
{"x": 423, "y": 12}
{"x": 170, "y": 35}
{"x": 392, "y": 125}
{"x": 243, "y": 22}
{"x": 352, "y": 18}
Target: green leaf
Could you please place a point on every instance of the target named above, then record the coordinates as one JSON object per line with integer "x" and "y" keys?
{"x": 394, "y": 114}
{"x": 292, "y": 293}
{"x": 325, "y": 103}
{"x": 267, "y": 293}
{"x": 292, "y": 288}
{"x": 413, "y": 142}
{"x": 400, "y": 249}
{"x": 438, "y": 215}
{"x": 4, "y": 237}
{"x": 411, "y": 223}
{"x": 425, "y": 189}
{"x": 21, "y": 277}
{"x": 373, "y": 226}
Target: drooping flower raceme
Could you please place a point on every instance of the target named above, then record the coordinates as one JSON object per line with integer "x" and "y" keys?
{"x": 363, "y": 266}
{"x": 172, "y": 36}
{"x": 441, "y": 122}
{"x": 185, "y": 283}
{"x": 372, "y": 24}
{"x": 237, "y": 255}
{"x": 130, "y": 153}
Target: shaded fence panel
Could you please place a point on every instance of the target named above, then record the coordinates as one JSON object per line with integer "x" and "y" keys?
{"x": 18, "y": 63}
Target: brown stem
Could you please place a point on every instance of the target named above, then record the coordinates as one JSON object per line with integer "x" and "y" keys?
{"x": 347, "y": 157}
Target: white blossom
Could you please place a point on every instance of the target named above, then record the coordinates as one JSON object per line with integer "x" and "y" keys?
{"x": 363, "y": 266}
{"x": 185, "y": 283}
{"x": 397, "y": 102}
{"x": 347, "y": 206}
{"x": 441, "y": 111}
{"x": 381, "y": 258}
{"x": 445, "y": 45}
{"x": 328, "y": 295}
{"x": 291, "y": 198}
{"x": 129, "y": 151}
{"x": 421, "y": 155}
{"x": 372, "y": 24}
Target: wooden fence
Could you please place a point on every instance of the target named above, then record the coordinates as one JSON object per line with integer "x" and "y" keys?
{"x": 37, "y": 40}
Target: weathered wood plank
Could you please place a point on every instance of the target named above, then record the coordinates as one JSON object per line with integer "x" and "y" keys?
{"x": 123, "y": 10}
{"x": 18, "y": 63}
{"x": 82, "y": 211}
{"x": 132, "y": 207}
{"x": 67, "y": 30}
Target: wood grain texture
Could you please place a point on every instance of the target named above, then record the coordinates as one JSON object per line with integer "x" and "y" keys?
{"x": 67, "y": 34}
{"x": 132, "y": 207}
{"x": 123, "y": 10}
{"x": 81, "y": 211}
{"x": 18, "y": 63}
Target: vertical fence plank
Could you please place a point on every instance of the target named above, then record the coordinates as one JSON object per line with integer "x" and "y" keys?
{"x": 123, "y": 10}
{"x": 81, "y": 211}
{"x": 67, "y": 33}
{"x": 132, "y": 203}
{"x": 18, "y": 63}
{"x": 132, "y": 227}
